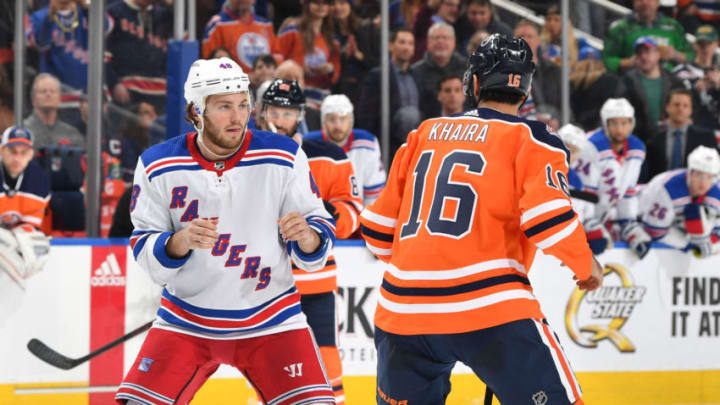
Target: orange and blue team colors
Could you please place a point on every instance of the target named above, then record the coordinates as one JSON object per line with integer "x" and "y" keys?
{"x": 289, "y": 45}
{"x": 245, "y": 38}
{"x": 467, "y": 203}
{"x": 26, "y": 202}
{"x": 335, "y": 182}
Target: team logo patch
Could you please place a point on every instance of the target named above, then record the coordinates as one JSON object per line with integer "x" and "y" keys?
{"x": 250, "y": 45}
{"x": 145, "y": 364}
{"x": 540, "y": 398}
{"x": 220, "y": 165}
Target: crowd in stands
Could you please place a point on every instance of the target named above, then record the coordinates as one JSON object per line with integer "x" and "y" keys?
{"x": 333, "y": 47}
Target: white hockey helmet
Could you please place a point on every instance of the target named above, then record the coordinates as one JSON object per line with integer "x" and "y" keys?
{"x": 704, "y": 159}
{"x": 214, "y": 76}
{"x": 616, "y": 108}
{"x": 572, "y": 136}
{"x": 335, "y": 104}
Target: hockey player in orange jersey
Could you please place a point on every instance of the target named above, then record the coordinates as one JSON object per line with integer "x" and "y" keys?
{"x": 24, "y": 197}
{"x": 469, "y": 200}
{"x": 332, "y": 172}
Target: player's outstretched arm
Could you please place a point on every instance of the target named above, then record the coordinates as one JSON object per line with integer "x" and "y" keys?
{"x": 596, "y": 277}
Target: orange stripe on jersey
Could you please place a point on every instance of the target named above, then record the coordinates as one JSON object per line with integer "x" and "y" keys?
{"x": 467, "y": 203}
{"x": 23, "y": 208}
{"x": 316, "y": 282}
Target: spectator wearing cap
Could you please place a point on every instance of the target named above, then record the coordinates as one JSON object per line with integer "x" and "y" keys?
{"x": 440, "y": 60}
{"x": 702, "y": 76}
{"x": 404, "y": 93}
{"x": 646, "y": 86}
{"x": 619, "y": 50}
{"x": 693, "y": 13}
{"x": 479, "y": 16}
{"x": 44, "y": 122}
{"x": 25, "y": 191}
{"x": 450, "y": 94}
{"x": 677, "y": 137}
{"x": 590, "y": 86}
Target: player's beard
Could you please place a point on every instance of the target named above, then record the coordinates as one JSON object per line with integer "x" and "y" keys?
{"x": 338, "y": 135}
{"x": 213, "y": 135}
{"x": 286, "y": 131}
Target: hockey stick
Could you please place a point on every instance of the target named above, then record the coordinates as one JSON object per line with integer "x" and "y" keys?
{"x": 488, "y": 396}
{"x": 50, "y": 356}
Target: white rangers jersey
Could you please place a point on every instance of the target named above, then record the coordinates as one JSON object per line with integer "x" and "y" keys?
{"x": 612, "y": 176}
{"x": 663, "y": 202}
{"x": 363, "y": 151}
{"x": 243, "y": 287}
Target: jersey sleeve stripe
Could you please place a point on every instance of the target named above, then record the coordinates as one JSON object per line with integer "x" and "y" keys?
{"x": 450, "y": 307}
{"x": 545, "y": 225}
{"x": 461, "y": 272}
{"x": 542, "y": 209}
{"x": 379, "y": 251}
{"x": 550, "y": 241}
{"x": 161, "y": 255}
{"x": 147, "y": 392}
{"x": 454, "y": 290}
{"x": 378, "y": 219}
{"x": 384, "y": 237}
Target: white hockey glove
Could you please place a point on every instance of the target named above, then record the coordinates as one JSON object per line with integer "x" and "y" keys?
{"x": 597, "y": 235}
{"x": 637, "y": 238}
{"x": 10, "y": 260}
{"x": 34, "y": 247}
{"x": 702, "y": 246}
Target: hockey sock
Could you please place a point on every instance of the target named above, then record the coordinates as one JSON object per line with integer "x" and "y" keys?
{"x": 333, "y": 367}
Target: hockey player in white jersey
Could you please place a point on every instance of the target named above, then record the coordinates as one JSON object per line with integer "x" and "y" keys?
{"x": 681, "y": 208}
{"x": 583, "y": 202}
{"x": 610, "y": 167}
{"x": 218, "y": 214}
{"x": 336, "y": 114}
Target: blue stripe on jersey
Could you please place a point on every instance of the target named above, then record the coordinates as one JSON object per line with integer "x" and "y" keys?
{"x": 136, "y": 232}
{"x": 545, "y": 225}
{"x": 361, "y": 134}
{"x": 238, "y": 314}
{"x": 314, "y": 135}
{"x": 139, "y": 245}
{"x": 271, "y": 161}
{"x": 276, "y": 319}
{"x": 271, "y": 140}
{"x": 319, "y": 148}
{"x": 161, "y": 255}
{"x": 458, "y": 289}
{"x": 168, "y": 169}
{"x": 374, "y": 186}
{"x": 574, "y": 180}
{"x": 601, "y": 142}
{"x": 173, "y": 147}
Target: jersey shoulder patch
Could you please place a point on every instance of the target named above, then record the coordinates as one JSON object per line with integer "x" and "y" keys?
{"x": 634, "y": 143}
{"x": 270, "y": 140}
{"x": 676, "y": 185}
{"x": 176, "y": 146}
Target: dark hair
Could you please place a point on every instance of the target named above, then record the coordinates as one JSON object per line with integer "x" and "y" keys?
{"x": 266, "y": 59}
{"x": 308, "y": 34}
{"x": 215, "y": 51}
{"x": 394, "y": 34}
{"x": 189, "y": 116}
{"x": 447, "y": 77}
{"x": 680, "y": 90}
{"x": 484, "y": 3}
{"x": 500, "y": 96}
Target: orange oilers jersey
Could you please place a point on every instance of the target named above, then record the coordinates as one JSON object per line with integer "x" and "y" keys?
{"x": 335, "y": 182}
{"x": 289, "y": 45}
{"x": 468, "y": 201}
{"x": 27, "y": 200}
{"x": 245, "y": 38}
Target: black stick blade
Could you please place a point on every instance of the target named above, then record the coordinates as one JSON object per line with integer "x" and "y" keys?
{"x": 50, "y": 356}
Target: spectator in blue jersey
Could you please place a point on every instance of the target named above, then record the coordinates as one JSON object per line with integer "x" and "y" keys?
{"x": 44, "y": 122}
{"x": 59, "y": 32}
{"x": 138, "y": 48}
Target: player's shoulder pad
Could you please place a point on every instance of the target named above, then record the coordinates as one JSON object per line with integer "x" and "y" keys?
{"x": 599, "y": 140}
{"x": 35, "y": 180}
{"x": 361, "y": 134}
{"x": 676, "y": 184}
{"x": 176, "y": 146}
{"x": 713, "y": 195}
{"x": 315, "y": 148}
{"x": 313, "y": 135}
{"x": 635, "y": 143}
{"x": 263, "y": 140}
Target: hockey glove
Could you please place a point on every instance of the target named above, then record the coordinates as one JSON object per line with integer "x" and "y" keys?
{"x": 598, "y": 237}
{"x": 637, "y": 238}
{"x": 10, "y": 260}
{"x": 34, "y": 247}
{"x": 331, "y": 209}
{"x": 703, "y": 246}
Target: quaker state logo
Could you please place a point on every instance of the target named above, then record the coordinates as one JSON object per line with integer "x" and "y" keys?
{"x": 592, "y": 316}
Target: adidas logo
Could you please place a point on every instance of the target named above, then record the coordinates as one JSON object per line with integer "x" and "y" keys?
{"x": 108, "y": 274}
